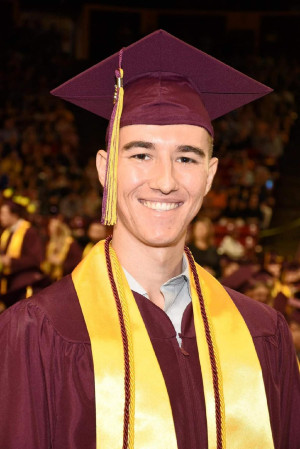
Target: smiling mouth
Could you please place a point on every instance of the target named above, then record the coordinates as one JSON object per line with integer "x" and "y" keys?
{"x": 160, "y": 206}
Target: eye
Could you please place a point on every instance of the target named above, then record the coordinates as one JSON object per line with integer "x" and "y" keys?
{"x": 186, "y": 160}
{"x": 141, "y": 156}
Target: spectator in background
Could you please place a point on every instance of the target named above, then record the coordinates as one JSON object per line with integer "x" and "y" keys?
{"x": 260, "y": 291}
{"x": 202, "y": 245}
{"x": 253, "y": 212}
{"x": 63, "y": 253}
{"x": 96, "y": 232}
{"x": 22, "y": 251}
{"x": 230, "y": 245}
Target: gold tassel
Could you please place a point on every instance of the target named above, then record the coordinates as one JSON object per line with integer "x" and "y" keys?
{"x": 109, "y": 210}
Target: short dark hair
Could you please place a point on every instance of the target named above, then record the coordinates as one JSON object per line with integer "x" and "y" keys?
{"x": 14, "y": 208}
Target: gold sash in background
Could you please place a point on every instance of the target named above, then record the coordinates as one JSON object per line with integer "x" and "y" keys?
{"x": 15, "y": 244}
{"x": 14, "y": 248}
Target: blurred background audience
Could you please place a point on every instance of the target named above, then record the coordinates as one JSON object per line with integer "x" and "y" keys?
{"x": 47, "y": 147}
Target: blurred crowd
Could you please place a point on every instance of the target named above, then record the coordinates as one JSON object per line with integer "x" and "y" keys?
{"x": 264, "y": 276}
{"x": 42, "y": 159}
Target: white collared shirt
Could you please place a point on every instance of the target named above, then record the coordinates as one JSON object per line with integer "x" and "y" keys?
{"x": 176, "y": 292}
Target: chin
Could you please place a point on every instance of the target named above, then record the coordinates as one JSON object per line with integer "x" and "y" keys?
{"x": 162, "y": 240}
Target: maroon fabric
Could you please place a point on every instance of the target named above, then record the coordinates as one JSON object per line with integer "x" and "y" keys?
{"x": 25, "y": 270}
{"x": 73, "y": 258}
{"x": 220, "y": 88}
{"x": 47, "y": 382}
{"x": 161, "y": 99}
{"x": 239, "y": 278}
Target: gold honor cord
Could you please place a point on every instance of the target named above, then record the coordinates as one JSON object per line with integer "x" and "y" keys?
{"x": 245, "y": 417}
{"x": 153, "y": 426}
{"x": 117, "y": 271}
{"x": 202, "y": 318}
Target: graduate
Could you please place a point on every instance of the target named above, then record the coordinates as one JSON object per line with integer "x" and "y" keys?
{"x": 63, "y": 252}
{"x": 140, "y": 347}
{"x": 21, "y": 251}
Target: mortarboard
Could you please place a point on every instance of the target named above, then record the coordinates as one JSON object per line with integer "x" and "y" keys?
{"x": 161, "y": 80}
{"x": 19, "y": 204}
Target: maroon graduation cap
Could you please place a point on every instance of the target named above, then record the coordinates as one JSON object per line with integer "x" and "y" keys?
{"x": 163, "y": 56}
{"x": 166, "y": 82}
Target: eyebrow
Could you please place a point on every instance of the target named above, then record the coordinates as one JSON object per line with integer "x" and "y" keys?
{"x": 150, "y": 146}
{"x": 191, "y": 149}
{"x": 138, "y": 144}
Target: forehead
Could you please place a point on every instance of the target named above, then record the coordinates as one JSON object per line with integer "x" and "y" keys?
{"x": 176, "y": 135}
{"x": 5, "y": 208}
{"x": 97, "y": 226}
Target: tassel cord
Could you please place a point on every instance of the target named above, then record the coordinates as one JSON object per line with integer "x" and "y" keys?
{"x": 216, "y": 372}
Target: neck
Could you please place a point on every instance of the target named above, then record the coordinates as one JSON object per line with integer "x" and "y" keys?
{"x": 15, "y": 223}
{"x": 150, "y": 266}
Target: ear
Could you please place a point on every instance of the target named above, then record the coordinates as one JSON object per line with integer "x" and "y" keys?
{"x": 212, "y": 168}
{"x": 101, "y": 165}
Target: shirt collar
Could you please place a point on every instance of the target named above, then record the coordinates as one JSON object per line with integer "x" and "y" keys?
{"x": 176, "y": 282}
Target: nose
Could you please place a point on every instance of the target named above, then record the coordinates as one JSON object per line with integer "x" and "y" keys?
{"x": 164, "y": 177}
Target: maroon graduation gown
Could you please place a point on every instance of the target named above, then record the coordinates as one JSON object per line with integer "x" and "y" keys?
{"x": 73, "y": 258}
{"x": 47, "y": 381}
{"x": 25, "y": 270}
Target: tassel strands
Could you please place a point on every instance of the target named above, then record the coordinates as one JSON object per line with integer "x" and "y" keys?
{"x": 109, "y": 204}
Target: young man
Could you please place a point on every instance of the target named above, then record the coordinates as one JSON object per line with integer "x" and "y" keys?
{"x": 21, "y": 253}
{"x": 140, "y": 347}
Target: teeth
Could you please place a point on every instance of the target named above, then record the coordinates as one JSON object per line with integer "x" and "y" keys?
{"x": 160, "y": 206}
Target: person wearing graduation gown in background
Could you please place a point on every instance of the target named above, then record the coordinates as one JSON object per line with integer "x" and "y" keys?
{"x": 22, "y": 251}
{"x": 202, "y": 246}
{"x": 140, "y": 347}
{"x": 96, "y": 232}
{"x": 63, "y": 252}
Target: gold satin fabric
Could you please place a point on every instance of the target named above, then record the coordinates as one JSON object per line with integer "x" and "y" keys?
{"x": 14, "y": 248}
{"x": 56, "y": 271}
{"x": 246, "y": 412}
{"x": 87, "y": 249}
{"x": 247, "y": 422}
{"x": 154, "y": 427}
{"x": 15, "y": 245}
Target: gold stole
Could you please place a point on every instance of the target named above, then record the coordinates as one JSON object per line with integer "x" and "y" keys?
{"x": 87, "y": 249}
{"x": 14, "y": 248}
{"x": 15, "y": 245}
{"x": 247, "y": 422}
{"x": 56, "y": 271}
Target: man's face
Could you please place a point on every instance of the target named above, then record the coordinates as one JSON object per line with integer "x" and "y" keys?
{"x": 7, "y": 218}
{"x": 97, "y": 232}
{"x": 259, "y": 293}
{"x": 163, "y": 174}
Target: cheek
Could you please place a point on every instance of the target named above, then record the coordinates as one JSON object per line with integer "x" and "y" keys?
{"x": 197, "y": 187}
{"x": 129, "y": 179}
